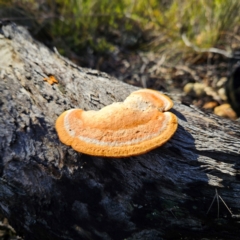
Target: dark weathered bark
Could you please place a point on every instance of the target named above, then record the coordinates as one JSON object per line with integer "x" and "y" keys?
{"x": 49, "y": 191}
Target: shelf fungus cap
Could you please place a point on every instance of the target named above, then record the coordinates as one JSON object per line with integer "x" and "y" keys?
{"x": 135, "y": 126}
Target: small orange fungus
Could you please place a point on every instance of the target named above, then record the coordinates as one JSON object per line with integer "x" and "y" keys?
{"x": 51, "y": 79}
{"x": 121, "y": 129}
{"x": 226, "y": 111}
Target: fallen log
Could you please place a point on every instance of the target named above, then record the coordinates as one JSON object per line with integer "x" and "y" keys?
{"x": 50, "y": 191}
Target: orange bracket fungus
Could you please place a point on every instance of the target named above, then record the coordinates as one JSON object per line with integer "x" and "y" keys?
{"x": 122, "y": 129}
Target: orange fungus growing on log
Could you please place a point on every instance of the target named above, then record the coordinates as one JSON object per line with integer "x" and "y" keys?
{"x": 121, "y": 129}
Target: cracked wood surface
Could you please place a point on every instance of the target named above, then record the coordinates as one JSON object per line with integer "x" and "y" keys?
{"x": 49, "y": 191}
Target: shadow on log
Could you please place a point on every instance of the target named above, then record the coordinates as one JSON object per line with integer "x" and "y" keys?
{"x": 49, "y": 191}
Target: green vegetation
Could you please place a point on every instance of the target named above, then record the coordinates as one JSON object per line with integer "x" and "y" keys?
{"x": 100, "y": 26}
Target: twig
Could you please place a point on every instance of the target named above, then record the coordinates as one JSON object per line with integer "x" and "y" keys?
{"x": 212, "y": 50}
{"x": 217, "y": 196}
{"x": 226, "y": 205}
{"x": 211, "y": 203}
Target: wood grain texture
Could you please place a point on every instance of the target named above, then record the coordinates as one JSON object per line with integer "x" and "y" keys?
{"x": 49, "y": 191}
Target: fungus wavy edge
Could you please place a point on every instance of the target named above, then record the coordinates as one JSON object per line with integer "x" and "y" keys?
{"x": 124, "y": 150}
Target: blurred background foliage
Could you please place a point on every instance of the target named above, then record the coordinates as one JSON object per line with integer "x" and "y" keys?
{"x": 102, "y": 26}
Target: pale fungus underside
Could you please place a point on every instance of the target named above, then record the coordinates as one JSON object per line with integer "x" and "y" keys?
{"x": 121, "y": 129}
